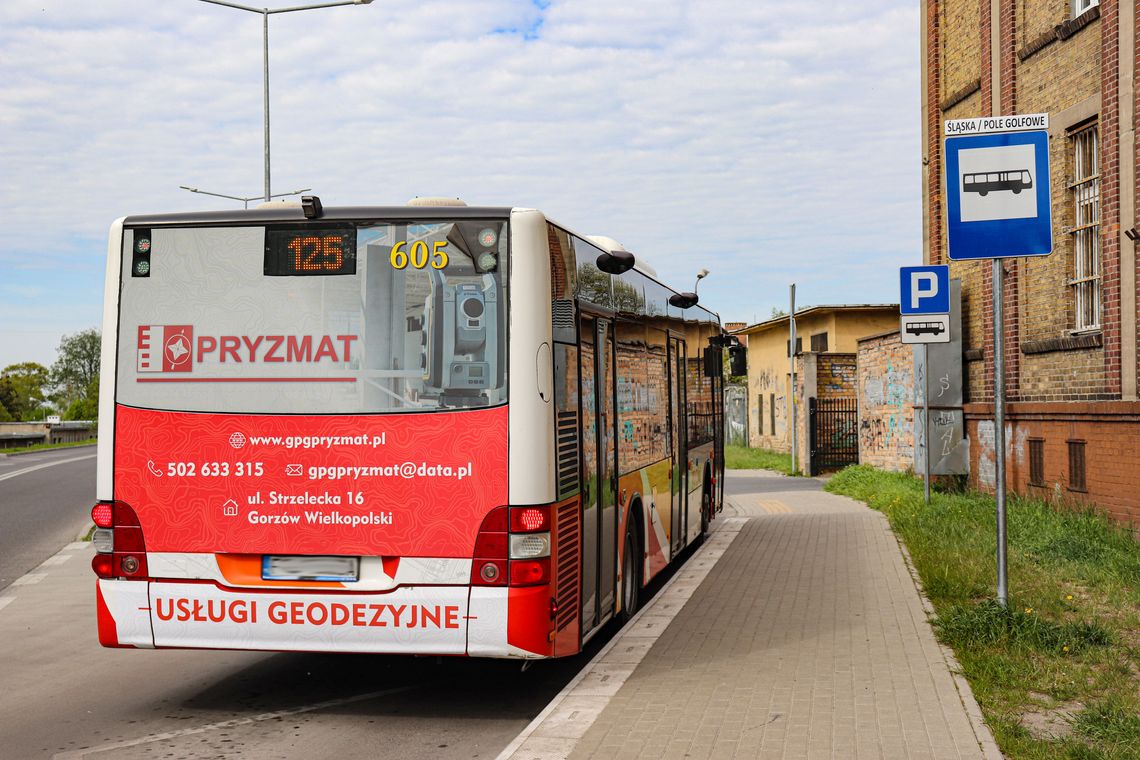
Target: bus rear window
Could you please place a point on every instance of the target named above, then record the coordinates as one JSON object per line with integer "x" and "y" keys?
{"x": 347, "y": 319}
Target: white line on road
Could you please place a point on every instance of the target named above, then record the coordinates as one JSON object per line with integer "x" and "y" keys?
{"x": 44, "y": 465}
{"x": 6, "y": 600}
{"x": 58, "y": 559}
{"x": 164, "y": 736}
{"x": 29, "y": 579}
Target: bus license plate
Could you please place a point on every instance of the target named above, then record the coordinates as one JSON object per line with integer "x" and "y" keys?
{"x": 275, "y": 567}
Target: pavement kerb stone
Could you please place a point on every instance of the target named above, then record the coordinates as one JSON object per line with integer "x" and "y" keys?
{"x": 535, "y": 742}
{"x": 982, "y": 731}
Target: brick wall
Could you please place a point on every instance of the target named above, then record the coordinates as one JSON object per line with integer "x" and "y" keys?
{"x": 1109, "y": 431}
{"x": 885, "y": 389}
{"x": 1061, "y": 386}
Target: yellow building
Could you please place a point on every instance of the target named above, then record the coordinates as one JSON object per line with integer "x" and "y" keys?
{"x": 832, "y": 330}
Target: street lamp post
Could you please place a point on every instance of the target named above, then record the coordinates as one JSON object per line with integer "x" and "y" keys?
{"x": 244, "y": 199}
{"x": 265, "y": 14}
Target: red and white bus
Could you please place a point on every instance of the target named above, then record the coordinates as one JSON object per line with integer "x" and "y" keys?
{"x": 430, "y": 429}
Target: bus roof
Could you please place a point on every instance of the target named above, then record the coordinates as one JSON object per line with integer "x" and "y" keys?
{"x": 294, "y": 213}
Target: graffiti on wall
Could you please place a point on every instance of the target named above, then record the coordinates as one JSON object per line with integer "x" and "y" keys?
{"x": 886, "y": 427}
{"x": 1014, "y": 450}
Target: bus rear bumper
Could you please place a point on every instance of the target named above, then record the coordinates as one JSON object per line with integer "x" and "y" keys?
{"x": 423, "y": 620}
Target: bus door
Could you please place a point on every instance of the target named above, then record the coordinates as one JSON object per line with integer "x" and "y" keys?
{"x": 677, "y": 438}
{"x": 599, "y": 476}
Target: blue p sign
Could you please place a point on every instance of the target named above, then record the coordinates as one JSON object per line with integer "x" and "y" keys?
{"x": 924, "y": 290}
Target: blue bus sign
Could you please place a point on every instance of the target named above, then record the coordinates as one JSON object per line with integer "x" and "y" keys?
{"x": 997, "y": 187}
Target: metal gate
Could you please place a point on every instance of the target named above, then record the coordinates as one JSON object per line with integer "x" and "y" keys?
{"x": 834, "y": 428}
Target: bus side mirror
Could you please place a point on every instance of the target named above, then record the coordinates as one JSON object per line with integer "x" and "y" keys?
{"x": 737, "y": 361}
{"x": 616, "y": 261}
{"x": 714, "y": 363}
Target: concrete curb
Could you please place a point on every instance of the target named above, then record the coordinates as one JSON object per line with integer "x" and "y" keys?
{"x": 555, "y": 731}
{"x": 973, "y": 710}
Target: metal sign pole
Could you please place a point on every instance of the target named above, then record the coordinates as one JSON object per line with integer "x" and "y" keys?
{"x": 999, "y": 429}
{"x": 926, "y": 421}
{"x": 792, "y": 365}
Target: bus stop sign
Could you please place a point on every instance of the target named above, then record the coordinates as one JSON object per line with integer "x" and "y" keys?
{"x": 997, "y": 187}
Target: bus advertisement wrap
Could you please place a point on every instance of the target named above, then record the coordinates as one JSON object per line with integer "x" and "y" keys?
{"x": 398, "y": 485}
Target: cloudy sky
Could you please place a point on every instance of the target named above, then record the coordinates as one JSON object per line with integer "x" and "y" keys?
{"x": 769, "y": 142}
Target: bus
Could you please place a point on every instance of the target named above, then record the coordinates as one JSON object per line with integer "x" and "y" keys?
{"x": 983, "y": 183}
{"x": 430, "y": 429}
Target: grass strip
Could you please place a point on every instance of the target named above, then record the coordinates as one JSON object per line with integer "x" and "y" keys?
{"x": 46, "y": 446}
{"x": 1057, "y": 673}
{"x": 744, "y": 458}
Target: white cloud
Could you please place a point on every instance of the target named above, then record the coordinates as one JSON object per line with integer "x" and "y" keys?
{"x": 769, "y": 142}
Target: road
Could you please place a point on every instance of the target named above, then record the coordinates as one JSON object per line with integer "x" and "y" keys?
{"x": 63, "y": 696}
{"x": 45, "y": 501}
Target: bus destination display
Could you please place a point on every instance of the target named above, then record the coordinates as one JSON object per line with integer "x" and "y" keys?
{"x": 304, "y": 251}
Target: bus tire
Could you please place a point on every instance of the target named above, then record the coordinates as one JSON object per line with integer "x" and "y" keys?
{"x": 630, "y": 579}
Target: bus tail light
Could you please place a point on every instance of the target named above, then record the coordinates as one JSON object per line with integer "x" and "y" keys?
{"x": 102, "y": 565}
{"x": 530, "y": 519}
{"x": 513, "y": 548}
{"x": 530, "y": 545}
{"x": 530, "y": 572}
{"x": 118, "y": 539}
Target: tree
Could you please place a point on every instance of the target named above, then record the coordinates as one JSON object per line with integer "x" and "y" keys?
{"x": 778, "y": 312}
{"x": 87, "y": 407}
{"x": 22, "y": 389}
{"x": 76, "y": 368}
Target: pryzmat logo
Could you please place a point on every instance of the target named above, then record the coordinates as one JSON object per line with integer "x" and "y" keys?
{"x": 166, "y": 348}
{"x": 172, "y": 348}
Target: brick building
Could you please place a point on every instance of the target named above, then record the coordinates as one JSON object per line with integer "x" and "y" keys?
{"x": 826, "y": 338}
{"x": 1073, "y": 418}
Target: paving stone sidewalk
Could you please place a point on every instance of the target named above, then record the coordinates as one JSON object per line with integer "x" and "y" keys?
{"x": 807, "y": 639}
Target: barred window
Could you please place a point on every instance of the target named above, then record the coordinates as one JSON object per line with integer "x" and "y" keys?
{"x": 819, "y": 342}
{"x": 1086, "y": 229}
{"x": 1036, "y": 462}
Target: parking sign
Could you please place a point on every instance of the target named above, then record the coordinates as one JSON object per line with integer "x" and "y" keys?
{"x": 924, "y": 303}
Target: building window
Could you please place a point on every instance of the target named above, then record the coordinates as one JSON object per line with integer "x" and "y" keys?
{"x": 772, "y": 410}
{"x": 819, "y": 342}
{"x": 1036, "y": 462}
{"x": 1077, "y": 466}
{"x": 760, "y": 413}
{"x": 799, "y": 345}
{"x": 1080, "y": 6}
{"x": 1086, "y": 229}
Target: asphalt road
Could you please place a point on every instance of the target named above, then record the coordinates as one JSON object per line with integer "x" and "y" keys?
{"x": 63, "y": 696}
{"x": 45, "y": 501}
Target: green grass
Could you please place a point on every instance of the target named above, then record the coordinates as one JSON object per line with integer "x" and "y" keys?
{"x": 1070, "y": 637}
{"x": 45, "y": 446}
{"x": 744, "y": 458}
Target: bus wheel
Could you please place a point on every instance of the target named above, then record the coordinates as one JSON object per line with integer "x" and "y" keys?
{"x": 630, "y": 580}
{"x": 1016, "y": 190}
{"x": 983, "y": 193}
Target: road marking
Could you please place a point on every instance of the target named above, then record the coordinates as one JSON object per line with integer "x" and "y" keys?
{"x": 29, "y": 579}
{"x": 774, "y": 507}
{"x": 166, "y": 735}
{"x": 554, "y": 731}
{"x": 45, "y": 465}
{"x": 58, "y": 559}
{"x": 6, "y": 600}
